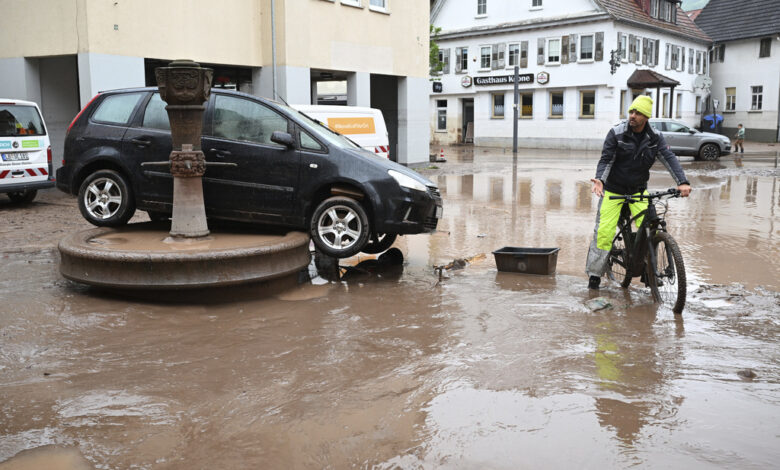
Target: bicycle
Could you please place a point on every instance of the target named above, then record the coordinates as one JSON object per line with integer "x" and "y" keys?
{"x": 636, "y": 254}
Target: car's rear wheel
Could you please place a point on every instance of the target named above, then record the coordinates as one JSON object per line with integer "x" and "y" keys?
{"x": 709, "y": 152}
{"x": 379, "y": 242}
{"x": 105, "y": 199}
{"x": 339, "y": 227}
{"x": 22, "y": 197}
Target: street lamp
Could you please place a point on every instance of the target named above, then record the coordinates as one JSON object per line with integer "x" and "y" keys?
{"x": 614, "y": 61}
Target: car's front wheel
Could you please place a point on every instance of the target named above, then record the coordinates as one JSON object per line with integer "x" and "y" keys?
{"x": 339, "y": 227}
{"x": 22, "y": 197}
{"x": 709, "y": 152}
{"x": 105, "y": 199}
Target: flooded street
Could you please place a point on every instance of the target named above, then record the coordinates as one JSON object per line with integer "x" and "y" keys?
{"x": 393, "y": 368}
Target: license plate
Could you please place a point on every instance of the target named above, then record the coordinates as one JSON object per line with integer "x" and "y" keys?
{"x": 15, "y": 157}
{"x": 439, "y": 212}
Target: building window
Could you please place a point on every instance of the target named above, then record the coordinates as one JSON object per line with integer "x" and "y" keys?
{"x": 678, "y": 106}
{"x": 765, "y": 48}
{"x": 536, "y": 3}
{"x": 664, "y": 10}
{"x": 484, "y": 57}
{"x": 586, "y": 47}
{"x": 556, "y": 104}
{"x": 651, "y": 51}
{"x": 623, "y": 48}
{"x": 699, "y": 65}
{"x": 731, "y": 99}
{"x": 514, "y": 55}
{"x": 498, "y": 105}
{"x": 553, "y": 51}
{"x": 623, "y": 103}
{"x": 441, "y": 115}
{"x": 587, "y": 103}
{"x": 665, "y": 105}
{"x": 717, "y": 53}
{"x": 756, "y": 99}
{"x": 352, "y": 3}
{"x": 378, "y": 5}
{"x": 462, "y": 56}
{"x": 481, "y": 7}
{"x": 698, "y": 105}
{"x": 526, "y": 105}
{"x": 654, "y": 8}
{"x": 638, "y": 47}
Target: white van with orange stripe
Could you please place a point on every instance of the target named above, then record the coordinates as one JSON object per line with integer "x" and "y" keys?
{"x": 364, "y": 126}
{"x": 25, "y": 151}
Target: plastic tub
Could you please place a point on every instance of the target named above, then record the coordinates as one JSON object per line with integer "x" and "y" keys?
{"x": 526, "y": 260}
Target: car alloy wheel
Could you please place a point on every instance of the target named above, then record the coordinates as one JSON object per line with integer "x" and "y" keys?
{"x": 339, "y": 227}
{"x": 105, "y": 199}
{"x": 709, "y": 152}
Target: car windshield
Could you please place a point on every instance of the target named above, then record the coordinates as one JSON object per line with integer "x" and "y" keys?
{"x": 20, "y": 121}
{"x": 322, "y": 130}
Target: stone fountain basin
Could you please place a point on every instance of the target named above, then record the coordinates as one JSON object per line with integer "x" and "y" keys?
{"x": 145, "y": 256}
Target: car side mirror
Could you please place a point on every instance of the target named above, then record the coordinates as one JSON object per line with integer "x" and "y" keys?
{"x": 283, "y": 138}
{"x": 691, "y": 131}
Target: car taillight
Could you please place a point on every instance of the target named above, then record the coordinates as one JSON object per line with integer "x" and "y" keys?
{"x": 49, "y": 161}
{"x": 79, "y": 115}
{"x": 48, "y": 155}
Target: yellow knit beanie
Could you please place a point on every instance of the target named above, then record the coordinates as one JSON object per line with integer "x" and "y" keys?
{"x": 643, "y": 104}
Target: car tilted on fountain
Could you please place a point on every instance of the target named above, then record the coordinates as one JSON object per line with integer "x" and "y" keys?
{"x": 289, "y": 171}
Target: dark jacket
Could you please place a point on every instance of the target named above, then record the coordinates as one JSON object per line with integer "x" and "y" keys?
{"x": 626, "y": 158}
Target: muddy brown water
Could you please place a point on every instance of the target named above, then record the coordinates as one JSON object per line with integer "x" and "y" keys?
{"x": 390, "y": 368}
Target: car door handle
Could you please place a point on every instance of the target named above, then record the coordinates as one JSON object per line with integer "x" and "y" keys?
{"x": 141, "y": 142}
{"x": 221, "y": 153}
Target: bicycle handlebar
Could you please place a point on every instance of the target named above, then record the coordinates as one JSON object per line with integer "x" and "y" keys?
{"x": 671, "y": 192}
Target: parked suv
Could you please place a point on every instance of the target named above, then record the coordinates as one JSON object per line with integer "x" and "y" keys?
{"x": 25, "y": 151}
{"x": 684, "y": 140}
{"x": 290, "y": 171}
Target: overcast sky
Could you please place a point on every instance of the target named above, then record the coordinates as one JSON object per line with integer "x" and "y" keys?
{"x": 693, "y": 4}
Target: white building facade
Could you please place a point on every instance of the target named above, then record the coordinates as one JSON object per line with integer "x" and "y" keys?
{"x": 568, "y": 96}
{"x": 745, "y": 69}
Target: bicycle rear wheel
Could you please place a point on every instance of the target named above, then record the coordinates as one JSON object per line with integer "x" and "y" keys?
{"x": 618, "y": 260}
{"x": 667, "y": 279}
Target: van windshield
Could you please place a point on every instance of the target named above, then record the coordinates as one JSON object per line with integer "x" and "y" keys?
{"x": 20, "y": 121}
{"x": 324, "y": 131}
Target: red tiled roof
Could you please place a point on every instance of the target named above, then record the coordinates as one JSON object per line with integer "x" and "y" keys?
{"x": 630, "y": 11}
{"x": 692, "y": 14}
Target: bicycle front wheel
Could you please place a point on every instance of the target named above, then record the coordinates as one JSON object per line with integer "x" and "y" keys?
{"x": 669, "y": 282}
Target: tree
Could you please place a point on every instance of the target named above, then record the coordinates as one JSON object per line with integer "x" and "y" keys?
{"x": 436, "y": 65}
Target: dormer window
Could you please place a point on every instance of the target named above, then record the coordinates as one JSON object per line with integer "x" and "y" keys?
{"x": 481, "y": 7}
{"x": 664, "y": 10}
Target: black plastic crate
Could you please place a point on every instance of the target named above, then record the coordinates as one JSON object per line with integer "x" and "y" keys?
{"x": 526, "y": 260}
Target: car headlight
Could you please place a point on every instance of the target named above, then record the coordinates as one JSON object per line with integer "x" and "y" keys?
{"x": 407, "y": 181}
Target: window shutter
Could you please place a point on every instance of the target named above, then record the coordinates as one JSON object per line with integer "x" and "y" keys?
{"x": 565, "y": 50}
{"x": 631, "y": 49}
{"x": 458, "y": 60}
{"x": 682, "y": 60}
{"x": 540, "y": 51}
{"x": 668, "y": 55}
{"x": 501, "y": 55}
{"x": 657, "y": 51}
{"x": 494, "y": 57}
{"x": 690, "y": 60}
{"x": 645, "y": 48}
{"x": 524, "y": 54}
{"x": 445, "y": 66}
{"x": 620, "y": 45}
{"x": 599, "y": 54}
{"x": 572, "y": 48}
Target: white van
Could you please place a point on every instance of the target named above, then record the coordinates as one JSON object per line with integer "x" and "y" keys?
{"x": 25, "y": 151}
{"x": 365, "y": 126}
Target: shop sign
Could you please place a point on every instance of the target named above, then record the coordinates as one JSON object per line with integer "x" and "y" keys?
{"x": 466, "y": 81}
{"x": 542, "y": 78}
{"x": 437, "y": 87}
{"x": 504, "y": 79}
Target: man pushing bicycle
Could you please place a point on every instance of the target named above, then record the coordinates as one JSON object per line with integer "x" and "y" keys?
{"x": 630, "y": 149}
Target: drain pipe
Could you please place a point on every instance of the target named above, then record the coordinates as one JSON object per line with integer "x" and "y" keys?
{"x": 273, "y": 47}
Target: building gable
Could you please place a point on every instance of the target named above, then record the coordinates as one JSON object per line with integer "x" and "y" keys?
{"x": 723, "y": 21}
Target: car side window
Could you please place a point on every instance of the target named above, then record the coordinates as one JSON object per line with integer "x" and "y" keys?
{"x": 676, "y": 127}
{"x": 657, "y": 126}
{"x": 245, "y": 120}
{"x": 116, "y": 109}
{"x": 309, "y": 143}
{"x": 155, "y": 115}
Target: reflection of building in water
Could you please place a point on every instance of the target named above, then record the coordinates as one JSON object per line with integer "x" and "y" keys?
{"x": 751, "y": 190}
{"x": 554, "y": 194}
{"x": 524, "y": 192}
{"x": 496, "y": 188}
{"x": 584, "y": 196}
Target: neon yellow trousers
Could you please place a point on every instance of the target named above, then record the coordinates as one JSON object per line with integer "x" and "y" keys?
{"x": 606, "y": 227}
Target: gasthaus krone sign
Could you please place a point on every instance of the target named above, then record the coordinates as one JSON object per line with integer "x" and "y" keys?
{"x": 504, "y": 79}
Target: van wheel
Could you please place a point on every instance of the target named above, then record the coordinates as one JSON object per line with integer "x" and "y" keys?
{"x": 105, "y": 199}
{"x": 379, "y": 242}
{"x": 22, "y": 197}
{"x": 339, "y": 227}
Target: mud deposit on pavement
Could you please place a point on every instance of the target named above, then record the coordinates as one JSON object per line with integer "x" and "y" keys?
{"x": 394, "y": 368}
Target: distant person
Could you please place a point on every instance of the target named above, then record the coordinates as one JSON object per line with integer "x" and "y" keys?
{"x": 740, "y": 139}
{"x": 630, "y": 149}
